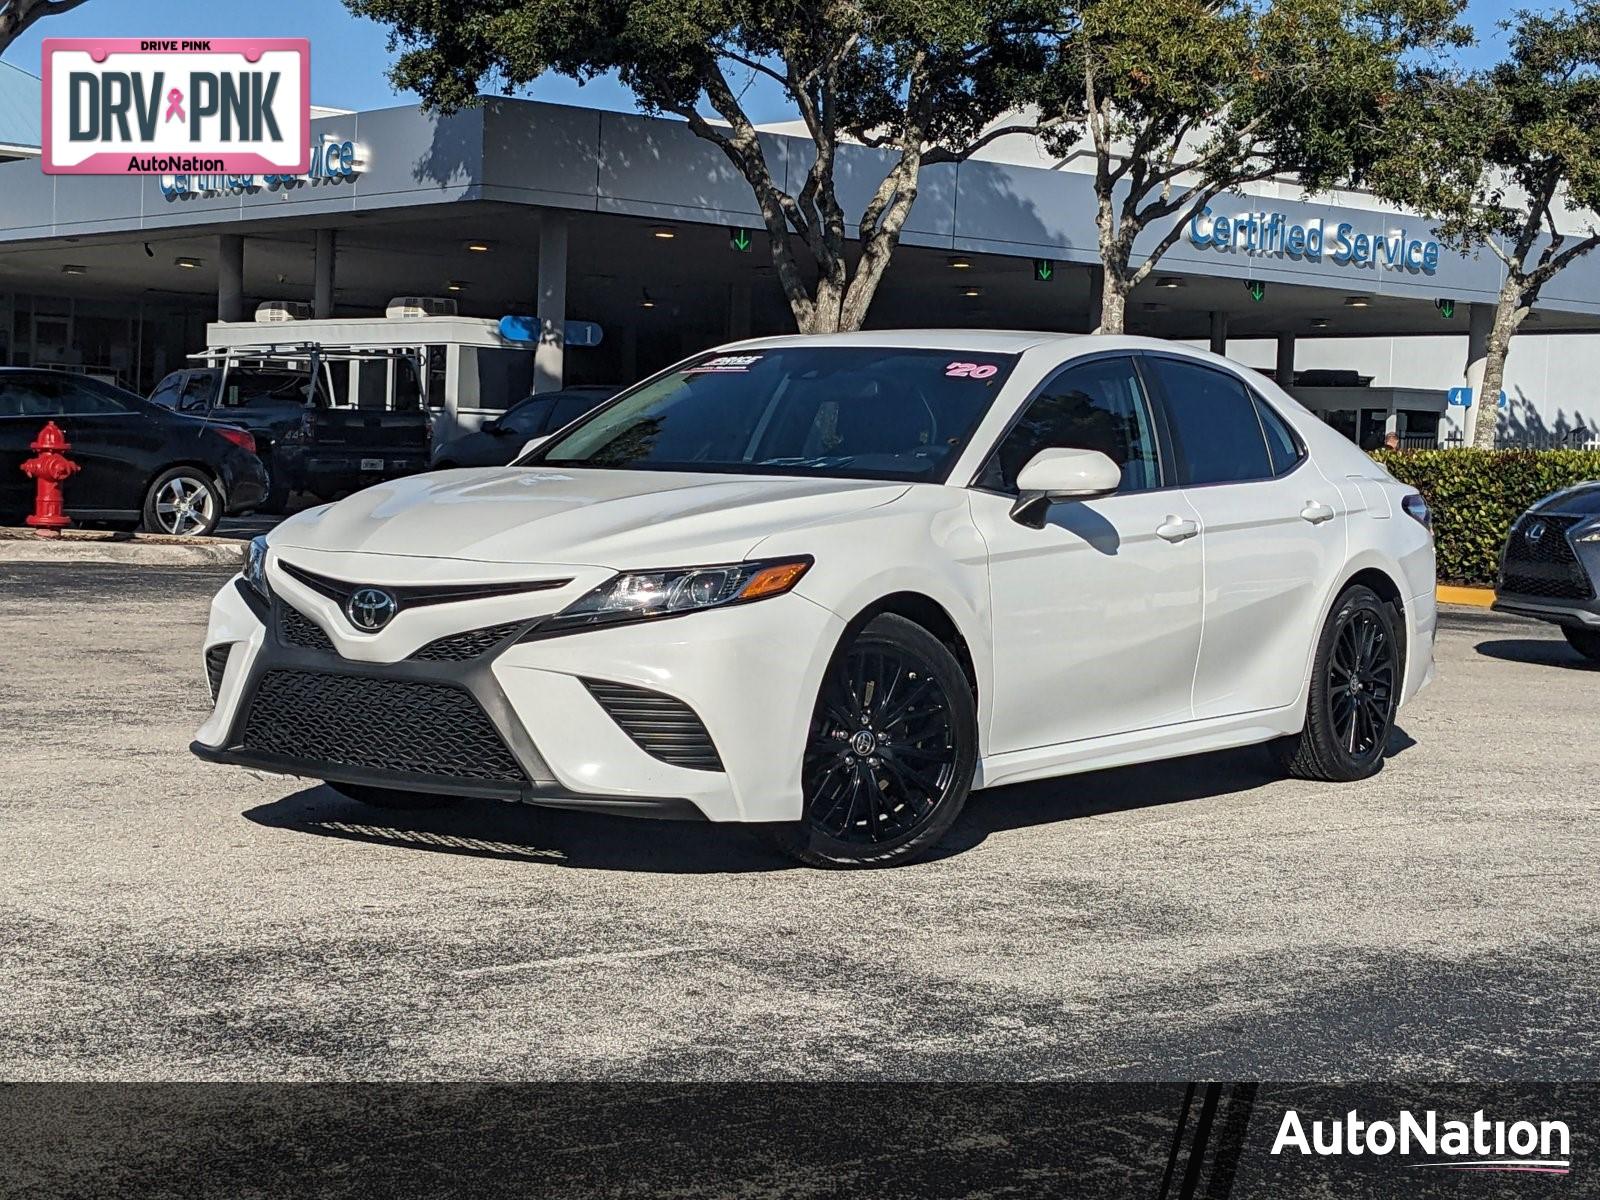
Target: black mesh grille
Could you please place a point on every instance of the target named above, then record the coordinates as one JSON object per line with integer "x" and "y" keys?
{"x": 1545, "y": 566}
{"x": 461, "y": 647}
{"x": 300, "y": 630}
{"x": 663, "y": 727}
{"x": 394, "y": 725}
{"x": 216, "y": 664}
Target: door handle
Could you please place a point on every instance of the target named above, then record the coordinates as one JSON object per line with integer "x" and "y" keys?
{"x": 1175, "y": 530}
{"x": 1316, "y": 512}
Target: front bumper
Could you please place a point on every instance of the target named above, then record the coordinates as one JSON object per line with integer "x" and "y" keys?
{"x": 750, "y": 673}
{"x": 1553, "y": 578}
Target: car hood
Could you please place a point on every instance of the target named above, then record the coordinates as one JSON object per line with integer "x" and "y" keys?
{"x": 615, "y": 519}
{"x": 1582, "y": 500}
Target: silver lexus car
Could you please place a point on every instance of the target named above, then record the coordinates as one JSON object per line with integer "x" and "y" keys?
{"x": 1550, "y": 567}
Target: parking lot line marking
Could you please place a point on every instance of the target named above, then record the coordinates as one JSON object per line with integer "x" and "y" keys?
{"x": 574, "y": 960}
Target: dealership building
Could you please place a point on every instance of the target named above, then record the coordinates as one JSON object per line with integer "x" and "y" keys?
{"x": 647, "y": 236}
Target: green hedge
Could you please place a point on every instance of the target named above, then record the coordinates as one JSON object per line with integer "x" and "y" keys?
{"x": 1476, "y": 494}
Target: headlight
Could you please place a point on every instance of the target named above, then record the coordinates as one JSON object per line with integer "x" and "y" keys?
{"x": 1591, "y": 534}
{"x": 255, "y": 565}
{"x": 643, "y": 595}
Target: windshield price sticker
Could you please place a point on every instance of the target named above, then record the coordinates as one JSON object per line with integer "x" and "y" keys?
{"x": 725, "y": 364}
{"x": 968, "y": 370}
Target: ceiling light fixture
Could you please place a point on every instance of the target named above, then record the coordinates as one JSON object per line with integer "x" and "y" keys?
{"x": 1169, "y": 281}
{"x": 645, "y": 301}
{"x": 455, "y": 285}
{"x": 972, "y": 291}
{"x": 960, "y": 264}
{"x": 664, "y": 232}
{"x": 74, "y": 269}
{"x": 1356, "y": 302}
{"x": 478, "y": 247}
{"x": 188, "y": 264}
{"x": 1319, "y": 322}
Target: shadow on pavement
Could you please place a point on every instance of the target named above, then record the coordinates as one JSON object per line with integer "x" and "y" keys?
{"x": 555, "y": 837}
{"x": 1543, "y": 652}
{"x": 526, "y": 833}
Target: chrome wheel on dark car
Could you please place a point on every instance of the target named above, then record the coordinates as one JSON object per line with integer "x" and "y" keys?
{"x": 183, "y": 501}
{"x": 891, "y": 750}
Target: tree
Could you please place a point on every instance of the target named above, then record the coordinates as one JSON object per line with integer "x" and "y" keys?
{"x": 17, "y": 15}
{"x": 922, "y": 79}
{"x": 1494, "y": 157}
{"x": 1182, "y": 100}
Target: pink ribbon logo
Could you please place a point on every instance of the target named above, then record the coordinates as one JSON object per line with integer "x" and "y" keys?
{"x": 174, "y": 106}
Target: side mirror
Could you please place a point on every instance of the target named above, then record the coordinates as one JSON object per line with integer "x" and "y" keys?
{"x": 1062, "y": 473}
{"x": 492, "y": 425}
{"x": 532, "y": 444}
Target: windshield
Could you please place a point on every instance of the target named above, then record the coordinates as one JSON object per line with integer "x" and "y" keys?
{"x": 846, "y": 411}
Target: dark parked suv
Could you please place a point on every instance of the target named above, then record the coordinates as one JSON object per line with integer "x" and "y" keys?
{"x": 502, "y": 438}
{"x": 138, "y": 463}
{"x": 1550, "y": 567}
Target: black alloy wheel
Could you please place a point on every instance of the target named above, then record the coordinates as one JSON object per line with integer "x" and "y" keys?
{"x": 890, "y": 753}
{"x": 1355, "y": 689}
{"x": 1360, "y": 683}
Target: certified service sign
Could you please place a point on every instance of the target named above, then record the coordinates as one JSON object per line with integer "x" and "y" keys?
{"x": 132, "y": 106}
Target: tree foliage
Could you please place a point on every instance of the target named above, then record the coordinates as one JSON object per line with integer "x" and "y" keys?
{"x": 1507, "y": 160}
{"x": 16, "y": 16}
{"x": 920, "y": 79}
{"x": 1181, "y": 100}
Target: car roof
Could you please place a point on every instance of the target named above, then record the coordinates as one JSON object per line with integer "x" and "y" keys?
{"x": 993, "y": 341}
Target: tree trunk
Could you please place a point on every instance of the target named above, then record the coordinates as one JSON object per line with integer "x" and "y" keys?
{"x": 1113, "y": 304}
{"x": 1487, "y": 403}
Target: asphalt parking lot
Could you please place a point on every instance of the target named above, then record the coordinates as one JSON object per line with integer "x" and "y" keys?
{"x": 167, "y": 919}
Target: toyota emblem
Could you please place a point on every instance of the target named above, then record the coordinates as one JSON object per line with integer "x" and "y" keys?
{"x": 370, "y": 608}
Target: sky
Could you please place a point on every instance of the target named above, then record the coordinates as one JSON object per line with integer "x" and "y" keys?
{"x": 349, "y": 55}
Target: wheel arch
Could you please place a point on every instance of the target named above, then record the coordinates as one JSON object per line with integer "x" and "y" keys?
{"x": 933, "y": 616}
{"x": 1381, "y": 580}
{"x": 198, "y": 464}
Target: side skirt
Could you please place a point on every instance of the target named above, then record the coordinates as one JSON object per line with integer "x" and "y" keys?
{"x": 1143, "y": 745}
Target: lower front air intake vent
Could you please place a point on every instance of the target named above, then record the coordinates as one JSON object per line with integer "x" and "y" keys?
{"x": 401, "y": 726}
{"x": 216, "y": 664}
{"x": 663, "y": 727}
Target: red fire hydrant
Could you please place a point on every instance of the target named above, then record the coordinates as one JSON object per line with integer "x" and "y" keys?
{"x": 50, "y": 468}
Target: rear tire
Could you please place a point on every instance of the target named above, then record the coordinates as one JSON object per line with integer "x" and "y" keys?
{"x": 890, "y": 754}
{"x": 1585, "y": 641}
{"x": 1355, "y": 688}
{"x": 394, "y": 799}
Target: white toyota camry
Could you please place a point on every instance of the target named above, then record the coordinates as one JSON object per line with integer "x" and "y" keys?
{"x": 833, "y": 584}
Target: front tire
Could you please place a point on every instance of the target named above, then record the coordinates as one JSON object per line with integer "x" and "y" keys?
{"x": 890, "y": 754}
{"x": 1585, "y": 641}
{"x": 1355, "y": 689}
{"x": 184, "y": 501}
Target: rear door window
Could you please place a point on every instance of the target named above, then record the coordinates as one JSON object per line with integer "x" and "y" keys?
{"x": 1216, "y": 432}
{"x": 1282, "y": 444}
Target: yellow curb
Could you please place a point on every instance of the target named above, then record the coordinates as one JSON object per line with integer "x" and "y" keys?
{"x": 1476, "y": 597}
